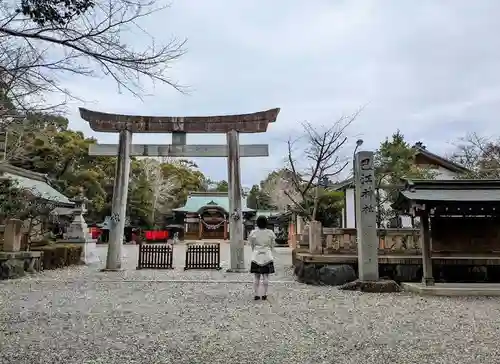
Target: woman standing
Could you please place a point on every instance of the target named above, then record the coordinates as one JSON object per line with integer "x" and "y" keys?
{"x": 262, "y": 242}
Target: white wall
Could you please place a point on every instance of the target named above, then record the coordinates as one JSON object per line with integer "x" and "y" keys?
{"x": 443, "y": 173}
{"x": 349, "y": 209}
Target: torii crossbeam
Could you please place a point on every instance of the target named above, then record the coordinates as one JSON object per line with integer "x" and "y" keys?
{"x": 185, "y": 151}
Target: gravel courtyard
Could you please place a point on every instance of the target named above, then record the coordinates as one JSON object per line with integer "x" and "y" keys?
{"x": 81, "y": 315}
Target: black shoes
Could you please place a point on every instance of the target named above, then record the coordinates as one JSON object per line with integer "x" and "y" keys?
{"x": 256, "y": 298}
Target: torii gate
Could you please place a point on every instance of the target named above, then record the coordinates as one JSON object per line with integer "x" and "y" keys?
{"x": 125, "y": 125}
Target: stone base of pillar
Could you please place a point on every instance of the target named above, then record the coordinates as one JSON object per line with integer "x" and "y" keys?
{"x": 315, "y": 237}
{"x": 381, "y": 286}
{"x": 428, "y": 281}
{"x": 237, "y": 270}
{"x": 111, "y": 270}
{"x": 89, "y": 251}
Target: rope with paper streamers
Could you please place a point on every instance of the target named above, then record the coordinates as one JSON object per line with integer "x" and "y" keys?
{"x": 212, "y": 227}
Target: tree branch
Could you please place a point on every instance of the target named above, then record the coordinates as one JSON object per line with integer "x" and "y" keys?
{"x": 88, "y": 42}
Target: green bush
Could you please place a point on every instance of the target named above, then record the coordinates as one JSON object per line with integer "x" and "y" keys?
{"x": 60, "y": 255}
{"x": 41, "y": 243}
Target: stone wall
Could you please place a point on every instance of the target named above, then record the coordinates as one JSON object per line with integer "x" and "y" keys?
{"x": 18, "y": 264}
{"x": 24, "y": 239}
{"x": 343, "y": 241}
{"x": 465, "y": 236}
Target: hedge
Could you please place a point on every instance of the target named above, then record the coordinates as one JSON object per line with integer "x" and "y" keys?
{"x": 60, "y": 255}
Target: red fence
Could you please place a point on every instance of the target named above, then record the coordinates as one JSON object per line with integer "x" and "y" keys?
{"x": 95, "y": 232}
{"x": 149, "y": 235}
{"x": 155, "y": 235}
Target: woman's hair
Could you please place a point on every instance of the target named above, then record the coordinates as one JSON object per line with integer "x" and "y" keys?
{"x": 262, "y": 222}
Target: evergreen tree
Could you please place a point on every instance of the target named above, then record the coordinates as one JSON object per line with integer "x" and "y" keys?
{"x": 394, "y": 160}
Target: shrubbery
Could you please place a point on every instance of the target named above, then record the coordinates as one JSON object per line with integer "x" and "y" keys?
{"x": 60, "y": 255}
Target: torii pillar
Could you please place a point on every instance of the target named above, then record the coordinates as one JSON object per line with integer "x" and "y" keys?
{"x": 237, "y": 247}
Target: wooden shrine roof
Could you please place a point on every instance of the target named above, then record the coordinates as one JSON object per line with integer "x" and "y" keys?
{"x": 37, "y": 184}
{"x": 449, "y": 192}
{"x": 244, "y": 123}
{"x": 197, "y": 201}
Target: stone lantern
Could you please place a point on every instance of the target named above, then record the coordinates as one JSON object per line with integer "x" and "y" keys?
{"x": 78, "y": 232}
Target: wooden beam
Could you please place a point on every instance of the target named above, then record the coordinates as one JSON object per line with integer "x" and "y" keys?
{"x": 189, "y": 151}
{"x": 243, "y": 123}
{"x": 425, "y": 237}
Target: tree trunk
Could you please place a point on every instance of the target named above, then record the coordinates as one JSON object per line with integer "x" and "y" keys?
{"x": 315, "y": 205}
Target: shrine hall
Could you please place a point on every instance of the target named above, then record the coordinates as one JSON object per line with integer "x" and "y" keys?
{"x": 206, "y": 215}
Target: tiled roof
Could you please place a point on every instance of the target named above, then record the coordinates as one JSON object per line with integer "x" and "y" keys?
{"x": 198, "y": 200}
{"x": 343, "y": 185}
{"x": 443, "y": 162}
{"x": 489, "y": 195}
{"x": 419, "y": 150}
{"x": 448, "y": 191}
{"x": 36, "y": 182}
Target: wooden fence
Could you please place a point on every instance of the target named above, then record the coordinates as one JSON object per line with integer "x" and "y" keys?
{"x": 155, "y": 256}
{"x": 205, "y": 256}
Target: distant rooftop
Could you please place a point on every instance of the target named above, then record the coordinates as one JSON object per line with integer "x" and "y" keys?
{"x": 196, "y": 201}
{"x": 37, "y": 183}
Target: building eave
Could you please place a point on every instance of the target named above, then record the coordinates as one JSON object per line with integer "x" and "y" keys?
{"x": 12, "y": 172}
{"x": 342, "y": 186}
{"x": 440, "y": 161}
{"x": 447, "y": 192}
{"x": 9, "y": 168}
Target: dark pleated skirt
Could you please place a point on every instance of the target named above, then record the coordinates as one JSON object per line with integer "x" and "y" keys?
{"x": 262, "y": 269}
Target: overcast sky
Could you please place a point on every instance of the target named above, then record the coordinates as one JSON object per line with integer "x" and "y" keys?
{"x": 429, "y": 68}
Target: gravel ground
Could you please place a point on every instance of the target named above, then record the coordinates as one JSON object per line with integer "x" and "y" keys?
{"x": 75, "y": 316}
{"x": 283, "y": 262}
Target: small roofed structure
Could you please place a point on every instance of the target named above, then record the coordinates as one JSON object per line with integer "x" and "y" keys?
{"x": 39, "y": 185}
{"x": 459, "y": 222}
{"x": 206, "y": 215}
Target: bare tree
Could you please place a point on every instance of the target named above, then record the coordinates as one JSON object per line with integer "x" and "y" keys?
{"x": 323, "y": 159}
{"x": 161, "y": 185}
{"x": 40, "y": 41}
{"x": 480, "y": 155}
{"x": 280, "y": 191}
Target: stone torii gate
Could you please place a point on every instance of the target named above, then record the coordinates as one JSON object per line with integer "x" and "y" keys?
{"x": 125, "y": 125}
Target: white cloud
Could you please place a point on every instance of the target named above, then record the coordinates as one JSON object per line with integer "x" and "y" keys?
{"x": 426, "y": 67}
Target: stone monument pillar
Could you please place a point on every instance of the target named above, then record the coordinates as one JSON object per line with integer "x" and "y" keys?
{"x": 315, "y": 236}
{"x": 366, "y": 212}
{"x": 12, "y": 235}
{"x": 78, "y": 233}
{"x": 237, "y": 245}
{"x": 15, "y": 263}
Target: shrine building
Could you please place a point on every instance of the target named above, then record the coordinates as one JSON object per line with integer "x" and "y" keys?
{"x": 205, "y": 216}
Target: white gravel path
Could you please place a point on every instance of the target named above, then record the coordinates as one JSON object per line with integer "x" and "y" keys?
{"x": 77, "y": 316}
